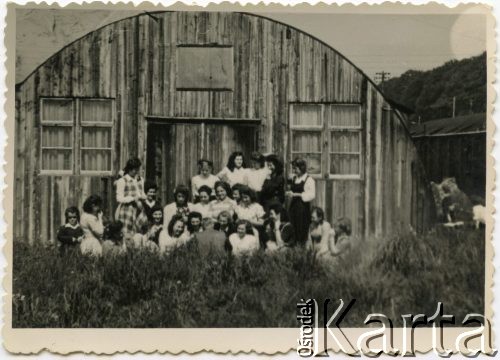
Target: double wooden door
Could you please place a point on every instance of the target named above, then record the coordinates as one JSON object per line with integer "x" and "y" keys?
{"x": 175, "y": 148}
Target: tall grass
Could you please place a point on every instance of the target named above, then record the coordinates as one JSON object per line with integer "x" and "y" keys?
{"x": 394, "y": 276}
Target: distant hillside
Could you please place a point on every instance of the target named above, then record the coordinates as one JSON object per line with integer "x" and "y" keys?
{"x": 430, "y": 93}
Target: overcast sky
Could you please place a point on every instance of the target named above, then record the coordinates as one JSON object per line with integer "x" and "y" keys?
{"x": 391, "y": 43}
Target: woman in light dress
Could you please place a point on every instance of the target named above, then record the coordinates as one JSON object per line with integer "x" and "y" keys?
{"x": 92, "y": 226}
{"x": 320, "y": 232}
{"x": 235, "y": 171}
{"x": 173, "y": 236}
{"x": 204, "y": 178}
{"x": 223, "y": 202}
{"x": 180, "y": 206}
{"x": 241, "y": 241}
{"x": 203, "y": 204}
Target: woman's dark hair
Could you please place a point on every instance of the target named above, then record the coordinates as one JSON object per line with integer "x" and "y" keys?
{"x": 133, "y": 163}
{"x": 257, "y": 156}
{"x": 90, "y": 202}
{"x": 232, "y": 157}
{"x": 237, "y": 187}
{"x": 155, "y": 208}
{"x": 172, "y": 222}
{"x": 150, "y": 185}
{"x": 113, "y": 232}
{"x": 205, "y": 161}
{"x": 278, "y": 165}
{"x": 181, "y": 189}
{"x": 245, "y": 190}
{"x": 301, "y": 164}
{"x": 319, "y": 211}
{"x": 225, "y": 185}
{"x": 193, "y": 215}
{"x": 344, "y": 224}
{"x": 72, "y": 210}
{"x": 280, "y": 210}
{"x": 269, "y": 222}
{"x": 205, "y": 188}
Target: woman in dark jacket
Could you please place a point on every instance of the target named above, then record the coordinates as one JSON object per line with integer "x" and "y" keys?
{"x": 273, "y": 189}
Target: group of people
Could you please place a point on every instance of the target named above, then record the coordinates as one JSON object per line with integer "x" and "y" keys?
{"x": 239, "y": 210}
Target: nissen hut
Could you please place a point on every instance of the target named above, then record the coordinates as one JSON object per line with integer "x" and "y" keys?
{"x": 173, "y": 87}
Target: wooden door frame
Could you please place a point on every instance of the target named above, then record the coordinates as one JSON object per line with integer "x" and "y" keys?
{"x": 202, "y": 121}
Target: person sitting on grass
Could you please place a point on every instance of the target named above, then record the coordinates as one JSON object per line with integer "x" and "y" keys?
{"x": 225, "y": 224}
{"x": 92, "y": 226}
{"x": 194, "y": 224}
{"x": 203, "y": 204}
{"x": 71, "y": 233}
{"x": 319, "y": 231}
{"x": 181, "y": 206}
{"x": 242, "y": 241}
{"x": 211, "y": 240}
{"x": 113, "y": 243}
{"x": 283, "y": 231}
{"x": 250, "y": 210}
{"x": 150, "y": 238}
{"x": 173, "y": 236}
{"x": 340, "y": 243}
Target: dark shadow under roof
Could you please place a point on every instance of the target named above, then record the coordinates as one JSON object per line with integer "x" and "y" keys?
{"x": 466, "y": 124}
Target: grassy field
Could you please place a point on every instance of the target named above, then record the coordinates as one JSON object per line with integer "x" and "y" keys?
{"x": 394, "y": 276}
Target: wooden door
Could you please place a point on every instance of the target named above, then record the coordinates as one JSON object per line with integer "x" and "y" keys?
{"x": 174, "y": 150}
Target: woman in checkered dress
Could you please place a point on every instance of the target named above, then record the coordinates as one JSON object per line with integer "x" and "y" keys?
{"x": 129, "y": 193}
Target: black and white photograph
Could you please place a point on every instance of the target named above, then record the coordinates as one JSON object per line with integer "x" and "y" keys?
{"x": 217, "y": 169}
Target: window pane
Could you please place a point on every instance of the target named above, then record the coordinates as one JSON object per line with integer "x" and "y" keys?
{"x": 345, "y": 116}
{"x": 313, "y": 162}
{"x": 344, "y": 164}
{"x": 96, "y": 137}
{"x": 306, "y": 141}
{"x": 96, "y": 160}
{"x": 57, "y": 136}
{"x": 97, "y": 110}
{"x": 307, "y": 115}
{"x": 56, "y": 159}
{"x": 344, "y": 141}
{"x": 57, "y": 110}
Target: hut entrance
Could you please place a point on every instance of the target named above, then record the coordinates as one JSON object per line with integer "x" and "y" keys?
{"x": 174, "y": 149}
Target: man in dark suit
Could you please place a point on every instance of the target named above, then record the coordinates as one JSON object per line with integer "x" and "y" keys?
{"x": 211, "y": 240}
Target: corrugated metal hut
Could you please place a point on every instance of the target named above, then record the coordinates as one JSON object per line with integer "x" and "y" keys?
{"x": 455, "y": 147}
{"x": 171, "y": 87}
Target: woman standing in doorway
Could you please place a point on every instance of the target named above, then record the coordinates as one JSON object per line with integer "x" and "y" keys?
{"x": 301, "y": 193}
{"x": 235, "y": 171}
{"x": 204, "y": 178}
{"x": 129, "y": 193}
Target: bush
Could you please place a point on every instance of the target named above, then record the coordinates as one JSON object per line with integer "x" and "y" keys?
{"x": 399, "y": 275}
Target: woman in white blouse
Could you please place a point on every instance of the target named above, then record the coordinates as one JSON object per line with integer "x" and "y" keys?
{"x": 250, "y": 210}
{"x": 235, "y": 172}
{"x": 204, "y": 178}
{"x": 173, "y": 236}
{"x": 92, "y": 226}
{"x": 302, "y": 192}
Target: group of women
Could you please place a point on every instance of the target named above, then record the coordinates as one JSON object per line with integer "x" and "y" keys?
{"x": 246, "y": 204}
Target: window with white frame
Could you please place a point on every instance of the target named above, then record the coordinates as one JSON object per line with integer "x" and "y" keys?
{"x": 76, "y": 136}
{"x": 328, "y": 137}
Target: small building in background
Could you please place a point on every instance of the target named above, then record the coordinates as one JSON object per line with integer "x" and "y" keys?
{"x": 454, "y": 147}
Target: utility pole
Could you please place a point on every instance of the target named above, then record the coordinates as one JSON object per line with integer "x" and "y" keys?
{"x": 454, "y": 102}
{"x": 382, "y": 76}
